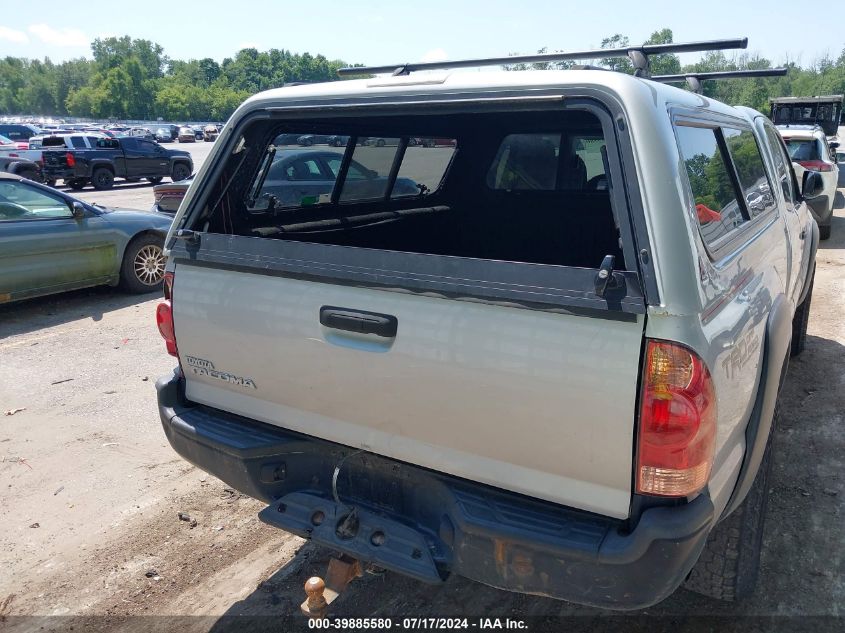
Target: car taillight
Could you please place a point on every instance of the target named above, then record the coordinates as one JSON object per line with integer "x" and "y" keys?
{"x": 164, "y": 316}
{"x": 815, "y": 165}
{"x": 71, "y": 161}
{"x": 677, "y": 425}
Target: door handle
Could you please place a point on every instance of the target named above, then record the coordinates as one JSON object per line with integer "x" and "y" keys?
{"x": 359, "y": 321}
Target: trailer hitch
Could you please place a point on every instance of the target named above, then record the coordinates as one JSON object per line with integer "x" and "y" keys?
{"x": 321, "y": 593}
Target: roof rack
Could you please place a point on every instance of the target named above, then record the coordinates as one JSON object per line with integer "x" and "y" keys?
{"x": 694, "y": 79}
{"x": 637, "y": 54}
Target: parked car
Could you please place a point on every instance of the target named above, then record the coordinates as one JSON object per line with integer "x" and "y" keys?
{"x": 297, "y": 175}
{"x": 126, "y": 157}
{"x": 518, "y": 373}
{"x": 824, "y": 111}
{"x": 198, "y": 132}
{"x": 809, "y": 149}
{"x": 51, "y": 242}
{"x": 168, "y": 196}
{"x": 137, "y": 132}
{"x": 8, "y": 144}
{"x": 336, "y": 140}
{"x": 162, "y": 135}
{"x": 186, "y": 135}
{"x": 18, "y": 131}
{"x": 210, "y": 133}
{"x": 70, "y": 140}
{"x": 20, "y": 166}
{"x": 307, "y": 140}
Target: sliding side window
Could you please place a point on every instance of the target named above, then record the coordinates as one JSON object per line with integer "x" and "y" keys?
{"x": 750, "y": 170}
{"x": 712, "y": 182}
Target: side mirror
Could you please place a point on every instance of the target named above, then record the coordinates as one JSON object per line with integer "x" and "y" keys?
{"x": 813, "y": 184}
{"x": 78, "y": 209}
{"x": 833, "y": 145}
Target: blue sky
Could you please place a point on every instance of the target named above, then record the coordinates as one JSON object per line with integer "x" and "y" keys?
{"x": 391, "y": 31}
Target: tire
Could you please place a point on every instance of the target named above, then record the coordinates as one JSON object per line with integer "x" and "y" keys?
{"x": 380, "y": 142}
{"x": 824, "y": 231}
{"x": 730, "y": 562}
{"x": 180, "y": 172}
{"x": 155, "y": 180}
{"x": 77, "y": 184}
{"x": 800, "y": 320}
{"x": 143, "y": 265}
{"x": 102, "y": 178}
{"x": 50, "y": 182}
{"x": 29, "y": 174}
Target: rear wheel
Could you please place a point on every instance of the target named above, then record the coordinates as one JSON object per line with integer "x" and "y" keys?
{"x": 102, "y": 178}
{"x": 180, "y": 172}
{"x": 380, "y": 142}
{"x": 155, "y": 180}
{"x": 800, "y": 320}
{"x": 143, "y": 265}
{"x": 730, "y": 562}
{"x": 29, "y": 174}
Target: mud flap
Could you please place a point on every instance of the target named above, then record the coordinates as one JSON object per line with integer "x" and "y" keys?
{"x": 361, "y": 534}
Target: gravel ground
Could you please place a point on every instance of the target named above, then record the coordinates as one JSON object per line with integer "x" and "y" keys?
{"x": 91, "y": 491}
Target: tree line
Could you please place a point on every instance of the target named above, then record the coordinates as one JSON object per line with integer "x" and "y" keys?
{"x": 822, "y": 77}
{"x": 134, "y": 79}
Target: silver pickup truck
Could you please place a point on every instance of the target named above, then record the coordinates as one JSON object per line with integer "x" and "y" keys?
{"x": 551, "y": 365}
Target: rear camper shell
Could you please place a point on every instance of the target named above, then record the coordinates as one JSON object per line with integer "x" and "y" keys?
{"x": 824, "y": 111}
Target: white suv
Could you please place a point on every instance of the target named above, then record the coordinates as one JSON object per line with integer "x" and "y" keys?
{"x": 809, "y": 148}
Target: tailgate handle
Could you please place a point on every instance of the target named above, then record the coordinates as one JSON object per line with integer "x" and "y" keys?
{"x": 359, "y": 321}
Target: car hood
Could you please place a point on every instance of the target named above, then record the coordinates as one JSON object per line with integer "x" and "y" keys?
{"x": 137, "y": 216}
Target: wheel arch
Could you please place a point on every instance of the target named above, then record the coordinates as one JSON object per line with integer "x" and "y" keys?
{"x": 136, "y": 236}
{"x": 181, "y": 161}
{"x": 97, "y": 164}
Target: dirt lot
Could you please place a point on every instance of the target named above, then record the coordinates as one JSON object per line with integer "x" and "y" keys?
{"x": 91, "y": 492}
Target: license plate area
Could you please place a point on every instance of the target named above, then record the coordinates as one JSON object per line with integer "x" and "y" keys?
{"x": 362, "y": 534}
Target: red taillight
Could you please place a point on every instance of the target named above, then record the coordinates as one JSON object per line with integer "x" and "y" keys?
{"x": 677, "y": 426}
{"x": 71, "y": 161}
{"x": 164, "y": 316}
{"x": 815, "y": 165}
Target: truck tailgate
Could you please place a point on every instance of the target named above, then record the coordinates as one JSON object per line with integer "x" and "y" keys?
{"x": 537, "y": 402}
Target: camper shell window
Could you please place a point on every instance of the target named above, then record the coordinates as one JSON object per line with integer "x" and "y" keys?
{"x": 512, "y": 186}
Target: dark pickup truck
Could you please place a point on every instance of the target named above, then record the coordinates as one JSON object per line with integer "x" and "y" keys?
{"x": 130, "y": 158}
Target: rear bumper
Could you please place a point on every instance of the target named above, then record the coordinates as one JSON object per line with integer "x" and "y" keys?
{"x": 432, "y": 524}
{"x": 59, "y": 173}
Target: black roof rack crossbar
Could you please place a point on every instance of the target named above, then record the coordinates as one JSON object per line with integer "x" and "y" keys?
{"x": 637, "y": 54}
{"x": 694, "y": 79}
